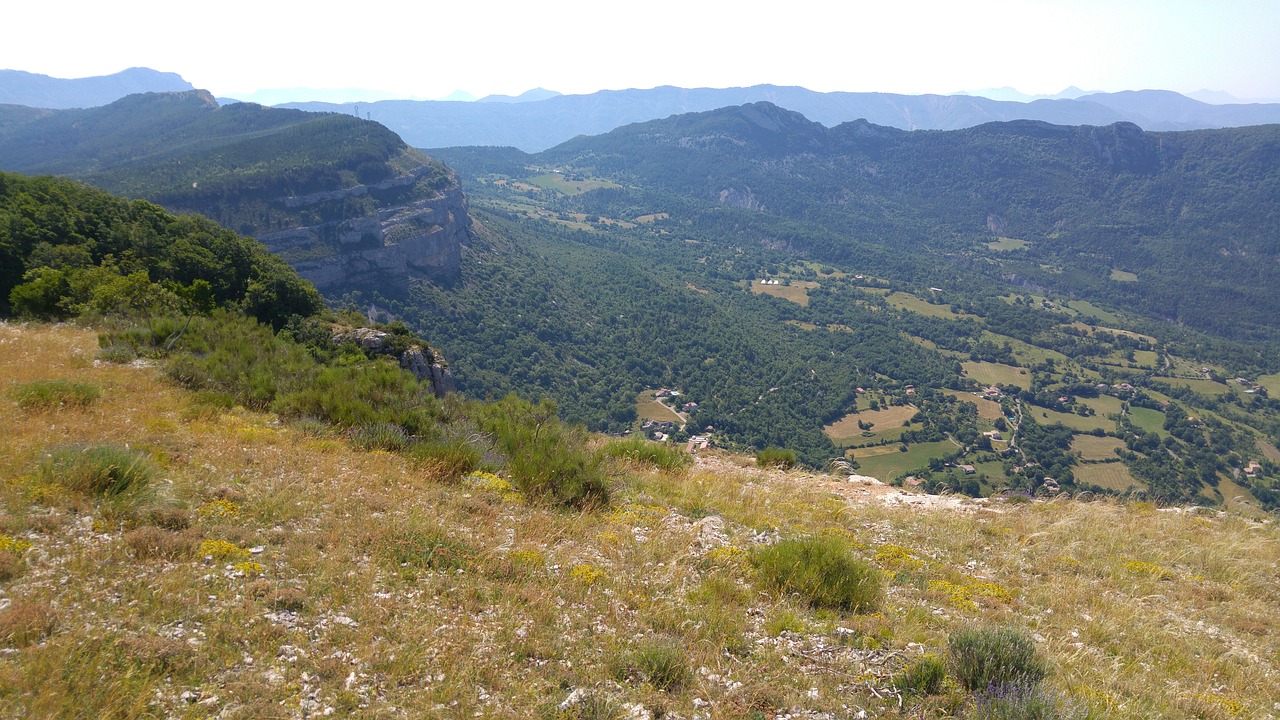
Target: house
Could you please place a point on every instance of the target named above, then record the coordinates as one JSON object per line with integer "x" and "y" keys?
{"x": 689, "y": 407}
{"x": 697, "y": 442}
{"x": 912, "y": 481}
{"x": 1051, "y": 484}
{"x": 911, "y": 390}
{"x": 992, "y": 393}
{"x": 1064, "y": 399}
{"x": 1252, "y": 469}
{"x": 968, "y": 469}
{"x": 993, "y": 435}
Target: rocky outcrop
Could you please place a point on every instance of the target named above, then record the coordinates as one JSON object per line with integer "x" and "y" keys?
{"x": 383, "y": 250}
{"x": 426, "y": 363}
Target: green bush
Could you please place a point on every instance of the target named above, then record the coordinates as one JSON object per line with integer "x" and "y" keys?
{"x": 107, "y": 471}
{"x": 547, "y": 460}
{"x": 772, "y": 457}
{"x": 995, "y": 657}
{"x": 822, "y": 571}
{"x": 659, "y": 662}
{"x": 639, "y": 450}
{"x": 423, "y": 548}
{"x": 42, "y": 394}
{"x": 923, "y": 677}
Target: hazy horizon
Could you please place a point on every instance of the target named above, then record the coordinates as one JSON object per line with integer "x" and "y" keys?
{"x": 412, "y": 50}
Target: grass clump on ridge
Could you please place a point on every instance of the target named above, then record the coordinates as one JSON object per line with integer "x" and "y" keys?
{"x": 638, "y": 450}
{"x": 772, "y": 457}
{"x": 104, "y": 471}
{"x": 49, "y": 394}
{"x": 822, "y": 571}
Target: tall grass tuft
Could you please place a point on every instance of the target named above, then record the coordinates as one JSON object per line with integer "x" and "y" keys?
{"x": 772, "y": 457}
{"x": 638, "y": 450}
{"x": 49, "y": 394}
{"x": 548, "y": 461}
{"x": 995, "y": 657}
{"x": 822, "y": 571}
{"x": 661, "y": 662}
{"x": 105, "y": 471}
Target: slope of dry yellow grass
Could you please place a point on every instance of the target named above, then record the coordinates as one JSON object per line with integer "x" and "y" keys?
{"x": 274, "y": 572}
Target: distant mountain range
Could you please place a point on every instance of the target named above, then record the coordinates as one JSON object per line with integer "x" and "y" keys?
{"x": 537, "y": 125}
{"x": 41, "y": 91}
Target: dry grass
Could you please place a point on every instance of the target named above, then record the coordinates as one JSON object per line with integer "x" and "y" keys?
{"x": 989, "y": 373}
{"x": 846, "y": 429}
{"x": 1096, "y": 448}
{"x": 1112, "y": 476}
{"x": 987, "y": 409}
{"x": 1143, "y": 613}
{"x": 797, "y": 292}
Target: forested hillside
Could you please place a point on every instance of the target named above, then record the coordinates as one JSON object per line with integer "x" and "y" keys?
{"x": 976, "y": 310}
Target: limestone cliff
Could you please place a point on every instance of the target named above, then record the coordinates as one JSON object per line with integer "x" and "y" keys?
{"x": 419, "y": 238}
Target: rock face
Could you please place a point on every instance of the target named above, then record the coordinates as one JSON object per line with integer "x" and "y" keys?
{"x": 383, "y": 250}
{"x": 424, "y": 362}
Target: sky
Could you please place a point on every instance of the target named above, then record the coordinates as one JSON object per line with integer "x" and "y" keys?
{"x": 428, "y": 49}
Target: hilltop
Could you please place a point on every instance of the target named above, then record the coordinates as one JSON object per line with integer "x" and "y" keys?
{"x": 344, "y": 200}
{"x": 41, "y": 91}
{"x": 272, "y": 568}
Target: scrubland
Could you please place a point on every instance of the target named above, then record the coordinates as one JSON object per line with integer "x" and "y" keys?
{"x": 164, "y": 557}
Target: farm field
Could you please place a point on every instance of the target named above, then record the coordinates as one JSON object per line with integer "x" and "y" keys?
{"x": 1085, "y": 307}
{"x": 1005, "y": 244}
{"x": 651, "y": 218}
{"x": 989, "y": 373}
{"x": 1268, "y": 450}
{"x": 1119, "y": 275}
{"x": 1204, "y": 387}
{"x": 987, "y": 409}
{"x": 1271, "y": 383}
{"x": 797, "y": 292}
{"x": 845, "y": 431}
{"x": 1096, "y": 448}
{"x": 648, "y": 408}
{"x": 1046, "y": 416}
{"x": 911, "y": 303}
{"x": 894, "y": 464}
{"x": 1148, "y": 419}
{"x": 1104, "y": 405}
{"x": 1026, "y": 353}
{"x": 561, "y": 184}
{"x": 1113, "y": 476}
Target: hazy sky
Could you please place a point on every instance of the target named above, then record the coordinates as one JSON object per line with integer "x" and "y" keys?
{"x": 428, "y": 48}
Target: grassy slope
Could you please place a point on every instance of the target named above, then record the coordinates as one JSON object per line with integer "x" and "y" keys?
{"x": 1142, "y": 613}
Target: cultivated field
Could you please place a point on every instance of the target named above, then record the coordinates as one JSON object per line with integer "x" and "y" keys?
{"x": 987, "y": 409}
{"x": 1119, "y": 275}
{"x": 845, "y": 431}
{"x": 1005, "y": 244}
{"x": 797, "y": 292}
{"x": 1113, "y": 476}
{"x": 561, "y": 184}
{"x": 1045, "y": 416}
{"x": 1096, "y": 448}
{"x": 648, "y": 408}
{"x": 888, "y": 463}
{"x": 989, "y": 373}
{"x": 911, "y": 303}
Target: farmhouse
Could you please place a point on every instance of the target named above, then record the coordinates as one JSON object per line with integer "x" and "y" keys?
{"x": 1252, "y": 469}
{"x": 993, "y": 435}
{"x": 968, "y": 469}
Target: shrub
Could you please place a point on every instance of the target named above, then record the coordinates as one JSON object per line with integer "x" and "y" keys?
{"x": 547, "y": 460}
{"x": 641, "y": 451}
{"x": 772, "y": 457}
{"x": 822, "y": 571}
{"x": 923, "y": 677}
{"x": 48, "y": 394}
{"x": 25, "y": 623}
{"x": 107, "y": 471}
{"x": 153, "y": 542}
{"x": 1018, "y": 703}
{"x": 659, "y": 662}
{"x": 995, "y": 657}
